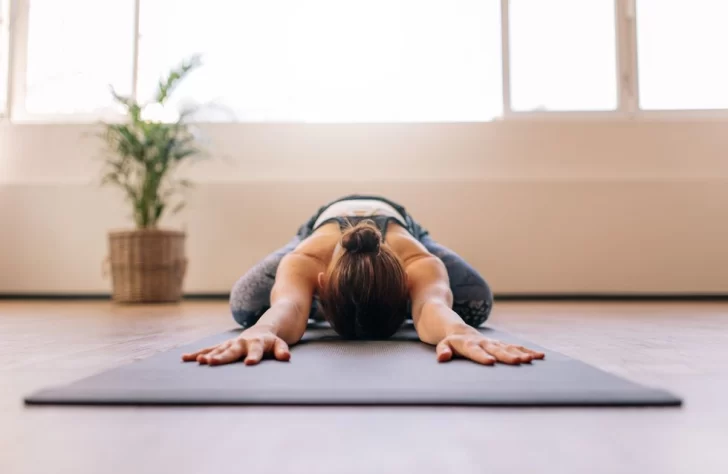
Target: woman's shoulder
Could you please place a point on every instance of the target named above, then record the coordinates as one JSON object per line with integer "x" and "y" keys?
{"x": 321, "y": 243}
{"x": 404, "y": 245}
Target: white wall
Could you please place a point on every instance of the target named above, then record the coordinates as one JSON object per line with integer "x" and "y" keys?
{"x": 552, "y": 206}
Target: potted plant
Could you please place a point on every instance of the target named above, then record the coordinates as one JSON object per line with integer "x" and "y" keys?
{"x": 145, "y": 151}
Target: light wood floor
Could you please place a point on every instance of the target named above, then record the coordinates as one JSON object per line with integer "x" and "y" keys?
{"x": 679, "y": 346}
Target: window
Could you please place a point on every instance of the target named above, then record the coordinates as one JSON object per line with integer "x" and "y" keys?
{"x": 329, "y": 60}
{"x": 681, "y": 51}
{"x": 366, "y": 60}
{"x": 4, "y": 15}
{"x": 563, "y": 55}
{"x": 76, "y": 49}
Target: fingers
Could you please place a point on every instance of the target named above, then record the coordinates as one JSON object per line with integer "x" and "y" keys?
{"x": 510, "y": 354}
{"x": 280, "y": 350}
{"x": 483, "y": 351}
{"x": 535, "y": 354}
{"x": 255, "y": 352}
{"x": 217, "y": 350}
{"x": 211, "y": 356}
{"x": 443, "y": 350}
{"x": 252, "y": 349}
{"x": 522, "y": 357}
{"x": 469, "y": 348}
{"x": 500, "y": 353}
{"x": 524, "y": 354}
{"x": 231, "y": 353}
{"x": 191, "y": 356}
{"x": 477, "y": 354}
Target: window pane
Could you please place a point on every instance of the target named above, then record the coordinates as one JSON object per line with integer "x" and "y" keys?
{"x": 563, "y": 55}
{"x": 76, "y": 49}
{"x": 681, "y": 48}
{"x": 329, "y": 60}
{"x": 3, "y": 55}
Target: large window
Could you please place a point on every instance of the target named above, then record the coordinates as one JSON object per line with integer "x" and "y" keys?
{"x": 4, "y": 17}
{"x": 682, "y": 54}
{"x": 563, "y": 55}
{"x": 369, "y": 60}
{"x": 76, "y": 49}
{"x": 329, "y": 60}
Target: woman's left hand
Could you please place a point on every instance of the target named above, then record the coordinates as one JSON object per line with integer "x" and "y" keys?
{"x": 475, "y": 346}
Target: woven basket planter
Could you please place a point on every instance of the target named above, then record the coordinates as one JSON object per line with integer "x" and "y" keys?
{"x": 147, "y": 265}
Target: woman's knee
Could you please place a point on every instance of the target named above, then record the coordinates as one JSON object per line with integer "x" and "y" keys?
{"x": 247, "y": 318}
{"x": 250, "y": 296}
{"x": 474, "y": 302}
{"x": 472, "y": 296}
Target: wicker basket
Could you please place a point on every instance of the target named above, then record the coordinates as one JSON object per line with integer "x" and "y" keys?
{"x": 147, "y": 265}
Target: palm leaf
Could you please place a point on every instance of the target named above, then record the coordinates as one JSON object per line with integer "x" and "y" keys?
{"x": 167, "y": 86}
{"x": 132, "y": 107}
{"x": 145, "y": 154}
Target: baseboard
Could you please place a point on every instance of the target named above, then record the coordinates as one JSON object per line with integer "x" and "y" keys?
{"x": 499, "y": 297}
{"x": 96, "y": 296}
{"x": 612, "y": 297}
{"x": 54, "y": 296}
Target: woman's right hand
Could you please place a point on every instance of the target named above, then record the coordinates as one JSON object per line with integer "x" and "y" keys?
{"x": 252, "y": 344}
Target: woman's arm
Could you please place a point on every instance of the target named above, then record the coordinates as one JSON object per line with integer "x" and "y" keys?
{"x": 292, "y": 296}
{"x": 432, "y": 300}
{"x": 437, "y": 324}
{"x": 284, "y": 323}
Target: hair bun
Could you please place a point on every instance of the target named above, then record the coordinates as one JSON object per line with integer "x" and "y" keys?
{"x": 362, "y": 238}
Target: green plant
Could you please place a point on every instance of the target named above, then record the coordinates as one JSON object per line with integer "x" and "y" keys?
{"x": 145, "y": 151}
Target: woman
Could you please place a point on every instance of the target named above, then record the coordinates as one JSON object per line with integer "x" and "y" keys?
{"x": 364, "y": 265}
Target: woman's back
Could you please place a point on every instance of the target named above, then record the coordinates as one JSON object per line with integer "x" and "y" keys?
{"x": 322, "y": 242}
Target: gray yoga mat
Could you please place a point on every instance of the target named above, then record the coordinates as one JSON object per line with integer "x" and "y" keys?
{"x": 327, "y": 371}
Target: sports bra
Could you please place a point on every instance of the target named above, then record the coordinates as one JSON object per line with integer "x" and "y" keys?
{"x": 349, "y": 221}
{"x": 331, "y": 212}
{"x": 350, "y": 212}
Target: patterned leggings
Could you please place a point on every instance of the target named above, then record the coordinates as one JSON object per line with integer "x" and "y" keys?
{"x": 472, "y": 298}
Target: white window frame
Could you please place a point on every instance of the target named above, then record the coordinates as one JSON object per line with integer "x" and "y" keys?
{"x": 18, "y": 49}
{"x": 5, "y": 57}
{"x": 19, "y": 55}
{"x": 626, "y": 70}
{"x": 662, "y": 114}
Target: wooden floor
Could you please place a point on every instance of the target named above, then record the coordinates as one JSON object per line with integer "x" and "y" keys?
{"x": 679, "y": 346}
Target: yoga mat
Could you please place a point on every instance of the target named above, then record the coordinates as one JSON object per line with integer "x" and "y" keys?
{"x": 324, "y": 370}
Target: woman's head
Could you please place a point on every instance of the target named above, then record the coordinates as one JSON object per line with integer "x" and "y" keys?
{"x": 363, "y": 293}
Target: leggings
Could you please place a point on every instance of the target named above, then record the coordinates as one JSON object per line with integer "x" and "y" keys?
{"x": 472, "y": 297}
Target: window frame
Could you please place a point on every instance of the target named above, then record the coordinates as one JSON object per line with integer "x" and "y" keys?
{"x": 19, "y": 55}
{"x": 5, "y": 12}
{"x": 622, "y": 71}
{"x": 661, "y": 114}
{"x": 16, "y": 41}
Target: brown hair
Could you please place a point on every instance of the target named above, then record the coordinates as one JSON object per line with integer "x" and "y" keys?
{"x": 365, "y": 294}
